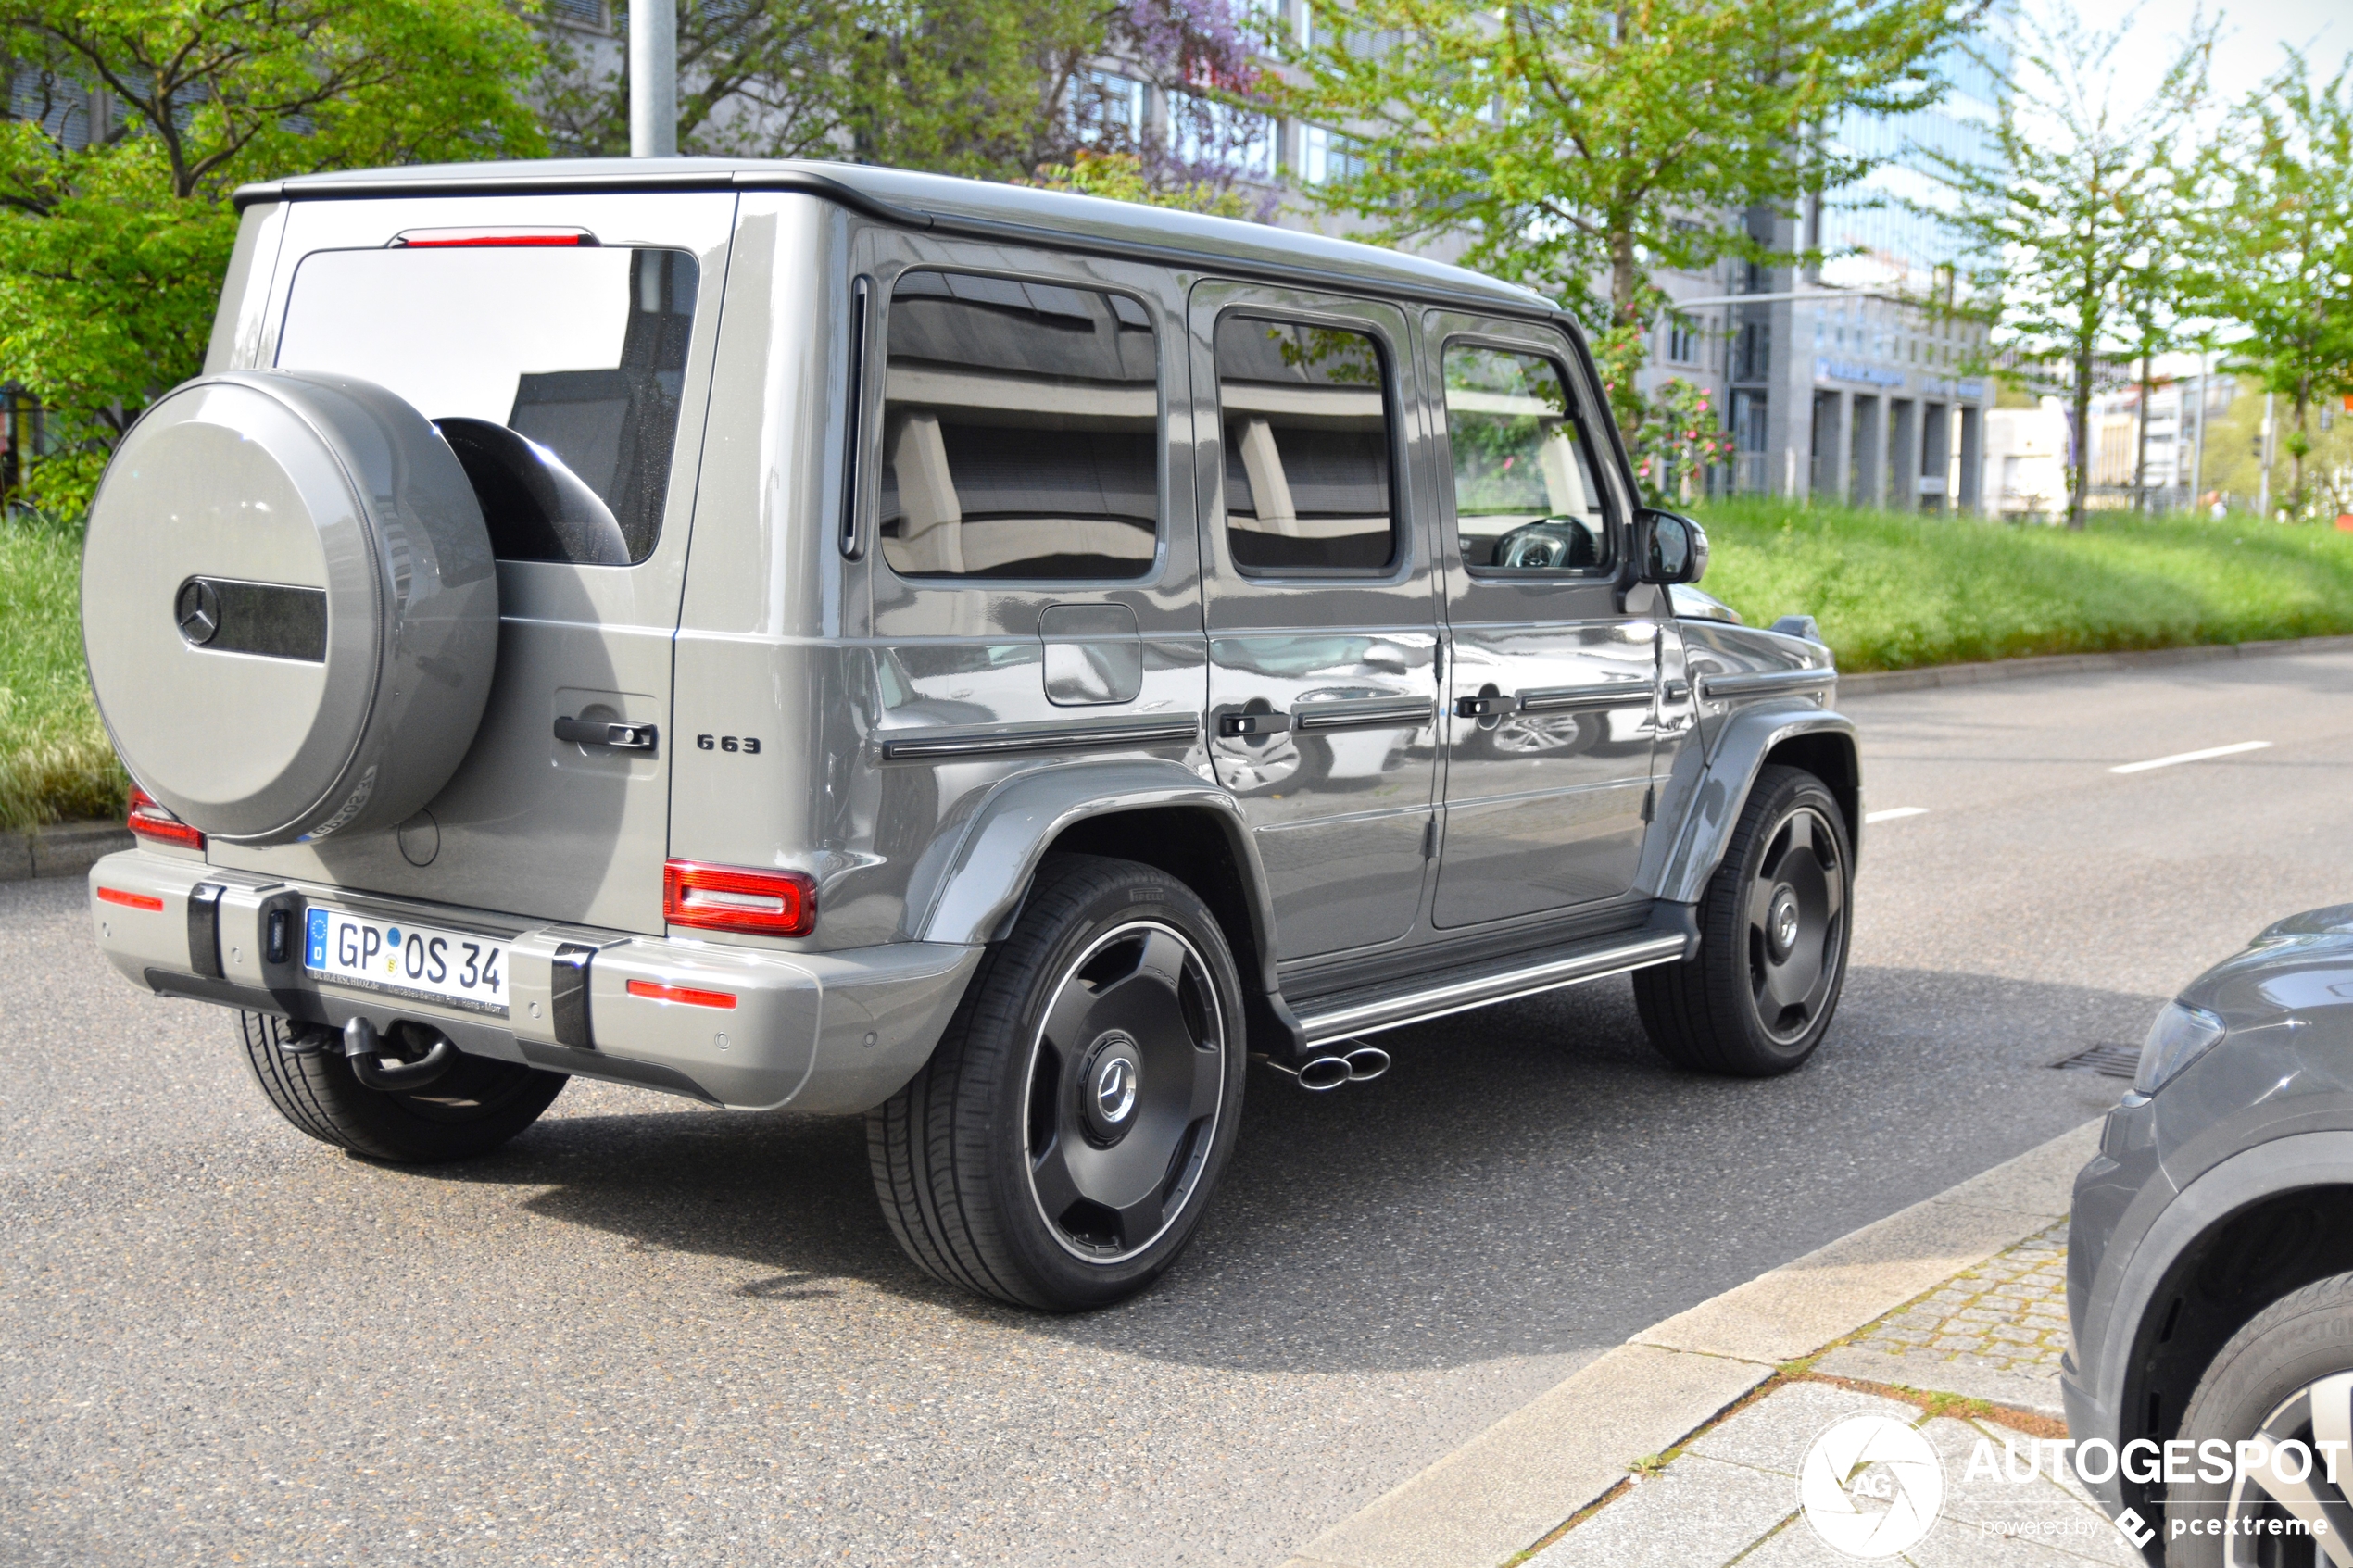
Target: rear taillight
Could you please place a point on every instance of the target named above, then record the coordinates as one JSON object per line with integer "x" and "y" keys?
{"x": 151, "y": 821}
{"x": 731, "y": 898}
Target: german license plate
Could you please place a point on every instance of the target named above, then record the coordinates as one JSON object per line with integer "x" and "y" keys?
{"x": 454, "y": 968}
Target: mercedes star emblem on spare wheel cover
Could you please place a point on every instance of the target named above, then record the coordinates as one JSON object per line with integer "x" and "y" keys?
{"x": 198, "y": 611}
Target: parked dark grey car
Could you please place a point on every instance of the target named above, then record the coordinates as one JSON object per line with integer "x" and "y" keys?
{"x": 819, "y": 637}
{"x": 2211, "y": 1260}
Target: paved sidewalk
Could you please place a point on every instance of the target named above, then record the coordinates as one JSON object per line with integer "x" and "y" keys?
{"x": 1995, "y": 1333}
{"x": 1729, "y": 1493}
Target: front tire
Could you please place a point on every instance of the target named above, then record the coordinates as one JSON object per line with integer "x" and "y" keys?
{"x": 2288, "y": 1375}
{"x": 469, "y": 1110}
{"x": 1060, "y": 1145}
{"x": 1773, "y": 925}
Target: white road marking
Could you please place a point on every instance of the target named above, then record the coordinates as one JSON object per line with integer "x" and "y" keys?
{"x": 1893, "y": 812}
{"x": 2191, "y": 757}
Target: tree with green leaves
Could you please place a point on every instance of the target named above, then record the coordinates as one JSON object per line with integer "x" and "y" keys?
{"x": 918, "y": 83}
{"x": 1575, "y": 139}
{"x": 2278, "y": 256}
{"x": 2070, "y": 217}
{"x": 115, "y": 223}
{"x": 992, "y": 91}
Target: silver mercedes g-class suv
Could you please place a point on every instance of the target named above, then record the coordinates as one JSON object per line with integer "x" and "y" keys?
{"x": 828, "y": 638}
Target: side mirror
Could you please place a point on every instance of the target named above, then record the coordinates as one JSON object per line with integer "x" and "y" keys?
{"x": 1669, "y": 547}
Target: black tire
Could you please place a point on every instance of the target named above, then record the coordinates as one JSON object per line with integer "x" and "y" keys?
{"x": 1788, "y": 869}
{"x": 471, "y": 1109}
{"x": 989, "y": 1164}
{"x": 2296, "y": 1351}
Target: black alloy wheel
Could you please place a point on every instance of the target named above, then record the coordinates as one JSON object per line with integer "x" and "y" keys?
{"x": 1758, "y": 996}
{"x": 1126, "y": 1080}
{"x": 1060, "y": 1145}
{"x": 1795, "y": 916}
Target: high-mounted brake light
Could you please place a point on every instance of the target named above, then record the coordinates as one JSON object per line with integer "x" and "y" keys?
{"x": 150, "y": 820}
{"x": 146, "y": 901}
{"x": 732, "y": 898}
{"x": 654, "y": 992}
{"x": 444, "y": 238}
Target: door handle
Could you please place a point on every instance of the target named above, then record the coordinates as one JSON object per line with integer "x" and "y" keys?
{"x": 1484, "y": 706}
{"x": 1253, "y": 724}
{"x": 598, "y": 731}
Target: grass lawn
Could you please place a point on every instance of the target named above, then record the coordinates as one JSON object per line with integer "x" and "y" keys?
{"x": 1894, "y": 591}
{"x": 55, "y": 761}
{"x": 1891, "y": 591}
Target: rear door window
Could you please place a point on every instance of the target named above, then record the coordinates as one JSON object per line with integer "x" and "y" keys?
{"x": 1021, "y": 432}
{"x": 1305, "y": 419}
{"x": 553, "y": 370}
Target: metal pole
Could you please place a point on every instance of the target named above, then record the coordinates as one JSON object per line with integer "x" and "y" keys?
{"x": 653, "y": 78}
{"x": 2198, "y": 448}
{"x": 2263, "y": 484}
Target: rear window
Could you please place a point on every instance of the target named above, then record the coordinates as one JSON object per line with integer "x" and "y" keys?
{"x": 554, "y": 373}
{"x": 1021, "y": 432}
{"x": 1307, "y": 457}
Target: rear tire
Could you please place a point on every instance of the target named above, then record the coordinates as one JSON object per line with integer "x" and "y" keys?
{"x": 1060, "y": 1147}
{"x": 471, "y": 1109}
{"x": 1773, "y": 935}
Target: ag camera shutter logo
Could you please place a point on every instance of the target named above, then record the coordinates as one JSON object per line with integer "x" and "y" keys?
{"x": 1870, "y": 1486}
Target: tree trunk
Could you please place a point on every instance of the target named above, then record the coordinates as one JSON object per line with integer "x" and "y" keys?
{"x": 2079, "y": 478}
{"x": 2141, "y": 443}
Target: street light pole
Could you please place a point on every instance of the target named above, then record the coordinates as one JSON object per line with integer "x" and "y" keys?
{"x": 2198, "y": 446}
{"x": 653, "y": 78}
{"x": 2263, "y": 484}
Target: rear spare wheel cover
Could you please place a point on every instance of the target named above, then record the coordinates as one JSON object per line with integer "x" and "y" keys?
{"x": 289, "y": 605}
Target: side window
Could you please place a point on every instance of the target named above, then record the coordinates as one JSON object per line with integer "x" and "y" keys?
{"x": 1021, "y": 432}
{"x": 1526, "y": 498}
{"x": 1305, "y": 417}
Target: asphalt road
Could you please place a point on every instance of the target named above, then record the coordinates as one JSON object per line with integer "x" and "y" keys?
{"x": 646, "y": 1331}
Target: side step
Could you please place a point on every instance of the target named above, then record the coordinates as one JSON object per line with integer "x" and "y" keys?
{"x": 1394, "y": 1004}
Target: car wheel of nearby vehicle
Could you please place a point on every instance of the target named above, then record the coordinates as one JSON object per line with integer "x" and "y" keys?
{"x": 471, "y": 1109}
{"x": 2288, "y": 1375}
{"x": 1060, "y": 1147}
{"x": 1773, "y": 926}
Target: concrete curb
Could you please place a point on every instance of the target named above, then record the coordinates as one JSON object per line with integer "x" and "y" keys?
{"x": 1508, "y": 1488}
{"x": 1872, "y": 684}
{"x": 60, "y": 849}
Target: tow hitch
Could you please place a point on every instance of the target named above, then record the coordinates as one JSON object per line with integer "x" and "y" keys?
{"x": 371, "y": 1061}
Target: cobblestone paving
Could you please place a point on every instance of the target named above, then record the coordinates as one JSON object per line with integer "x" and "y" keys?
{"x": 2009, "y": 1313}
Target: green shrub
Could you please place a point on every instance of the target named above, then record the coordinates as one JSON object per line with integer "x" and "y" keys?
{"x": 55, "y": 761}
{"x": 1893, "y": 590}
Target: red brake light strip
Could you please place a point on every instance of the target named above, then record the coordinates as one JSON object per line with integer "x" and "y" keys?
{"x": 446, "y": 238}
{"x": 146, "y": 901}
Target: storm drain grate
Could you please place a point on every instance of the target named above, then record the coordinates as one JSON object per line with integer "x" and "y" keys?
{"x": 2109, "y": 1058}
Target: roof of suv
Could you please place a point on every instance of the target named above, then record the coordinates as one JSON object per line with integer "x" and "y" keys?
{"x": 943, "y": 202}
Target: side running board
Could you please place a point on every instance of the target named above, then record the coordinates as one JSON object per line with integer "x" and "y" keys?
{"x": 1394, "y": 1004}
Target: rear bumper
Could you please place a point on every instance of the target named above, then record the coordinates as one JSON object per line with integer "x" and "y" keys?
{"x": 827, "y": 1033}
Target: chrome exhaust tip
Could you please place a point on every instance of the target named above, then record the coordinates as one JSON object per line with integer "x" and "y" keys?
{"x": 1318, "y": 1075}
{"x": 1366, "y": 1063}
